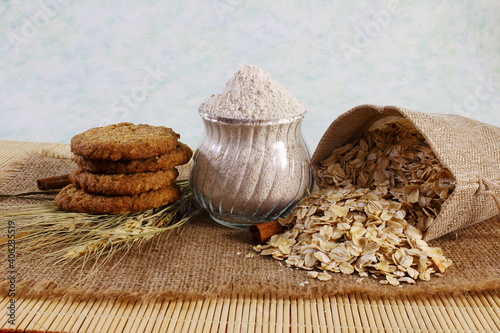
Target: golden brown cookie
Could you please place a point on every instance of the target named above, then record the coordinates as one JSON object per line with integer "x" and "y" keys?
{"x": 181, "y": 155}
{"x": 123, "y": 184}
{"x": 124, "y": 141}
{"x": 72, "y": 199}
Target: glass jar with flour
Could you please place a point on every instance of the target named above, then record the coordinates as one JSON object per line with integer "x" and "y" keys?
{"x": 252, "y": 164}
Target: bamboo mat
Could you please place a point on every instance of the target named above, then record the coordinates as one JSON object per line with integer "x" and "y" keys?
{"x": 475, "y": 312}
{"x": 342, "y": 313}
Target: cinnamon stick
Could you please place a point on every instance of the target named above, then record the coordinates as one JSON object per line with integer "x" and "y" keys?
{"x": 263, "y": 231}
{"x": 52, "y": 183}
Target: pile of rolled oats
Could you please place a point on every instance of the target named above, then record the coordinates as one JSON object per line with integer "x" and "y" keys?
{"x": 396, "y": 160}
{"x": 376, "y": 197}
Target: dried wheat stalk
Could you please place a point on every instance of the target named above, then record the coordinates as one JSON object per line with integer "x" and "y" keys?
{"x": 71, "y": 236}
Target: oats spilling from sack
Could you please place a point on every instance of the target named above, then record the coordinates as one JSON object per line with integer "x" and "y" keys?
{"x": 376, "y": 197}
{"x": 395, "y": 160}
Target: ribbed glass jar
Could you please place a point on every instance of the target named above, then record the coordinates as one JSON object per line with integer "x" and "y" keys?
{"x": 250, "y": 171}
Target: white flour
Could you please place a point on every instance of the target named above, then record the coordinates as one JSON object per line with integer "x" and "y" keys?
{"x": 253, "y": 94}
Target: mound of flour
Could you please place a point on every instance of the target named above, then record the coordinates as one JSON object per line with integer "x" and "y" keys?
{"x": 253, "y": 94}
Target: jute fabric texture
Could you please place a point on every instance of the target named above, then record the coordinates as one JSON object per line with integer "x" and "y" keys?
{"x": 468, "y": 148}
{"x": 204, "y": 259}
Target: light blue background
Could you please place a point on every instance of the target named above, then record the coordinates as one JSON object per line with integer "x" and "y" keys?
{"x": 68, "y": 65}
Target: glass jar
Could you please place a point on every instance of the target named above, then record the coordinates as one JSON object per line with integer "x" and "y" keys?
{"x": 250, "y": 171}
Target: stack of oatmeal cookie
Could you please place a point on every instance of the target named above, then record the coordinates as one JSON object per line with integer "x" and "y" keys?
{"x": 124, "y": 168}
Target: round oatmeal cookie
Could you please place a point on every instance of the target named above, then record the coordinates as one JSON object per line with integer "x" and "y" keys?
{"x": 123, "y": 184}
{"x": 181, "y": 155}
{"x": 72, "y": 199}
{"x": 124, "y": 141}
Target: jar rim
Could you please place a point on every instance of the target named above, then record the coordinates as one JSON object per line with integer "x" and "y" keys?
{"x": 239, "y": 121}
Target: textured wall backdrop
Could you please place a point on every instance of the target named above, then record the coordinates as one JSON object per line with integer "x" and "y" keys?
{"x": 67, "y": 65}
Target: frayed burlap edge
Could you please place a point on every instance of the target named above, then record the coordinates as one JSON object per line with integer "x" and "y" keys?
{"x": 16, "y": 166}
{"x": 50, "y": 290}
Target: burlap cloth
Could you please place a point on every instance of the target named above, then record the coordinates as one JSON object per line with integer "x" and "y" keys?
{"x": 468, "y": 148}
{"x": 204, "y": 259}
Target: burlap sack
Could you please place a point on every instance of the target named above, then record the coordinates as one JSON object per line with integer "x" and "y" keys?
{"x": 468, "y": 148}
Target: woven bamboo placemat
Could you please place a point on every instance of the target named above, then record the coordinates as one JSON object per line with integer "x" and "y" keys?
{"x": 477, "y": 312}
{"x": 244, "y": 313}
